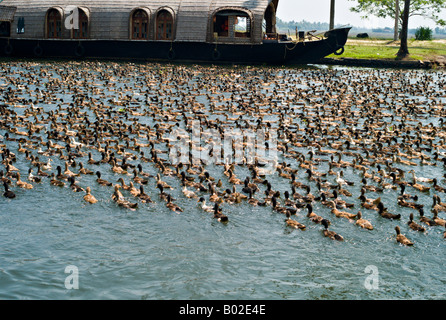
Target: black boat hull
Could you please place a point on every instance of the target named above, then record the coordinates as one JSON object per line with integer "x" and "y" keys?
{"x": 270, "y": 53}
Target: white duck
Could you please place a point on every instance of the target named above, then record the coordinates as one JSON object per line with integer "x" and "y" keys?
{"x": 204, "y": 206}
{"x": 420, "y": 179}
{"x": 47, "y": 166}
{"x": 75, "y": 143}
{"x": 188, "y": 193}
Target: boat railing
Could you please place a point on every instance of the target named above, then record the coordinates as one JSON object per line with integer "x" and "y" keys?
{"x": 301, "y": 36}
{"x": 271, "y": 36}
{"x": 275, "y": 37}
{"x": 312, "y": 36}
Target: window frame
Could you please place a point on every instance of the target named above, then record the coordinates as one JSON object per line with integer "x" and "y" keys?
{"x": 7, "y": 27}
{"x": 54, "y": 22}
{"x": 84, "y": 19}
{"x": 167, "y": 21}
{"x": 20, "y": 25}
{"x": 145, "y": 19}
{"x": 230, "y": 15}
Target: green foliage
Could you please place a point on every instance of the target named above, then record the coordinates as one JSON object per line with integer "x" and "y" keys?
{"x": 386, "y": 9}
{"x": 423, "y": 33}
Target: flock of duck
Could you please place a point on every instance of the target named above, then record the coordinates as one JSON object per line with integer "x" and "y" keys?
{"x": 65, "y": 122}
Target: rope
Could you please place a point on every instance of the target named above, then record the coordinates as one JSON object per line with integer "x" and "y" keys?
{"x": 295, "y": 45}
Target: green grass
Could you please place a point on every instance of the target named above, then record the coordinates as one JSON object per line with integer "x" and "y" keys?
{"x": 387, "y": 49}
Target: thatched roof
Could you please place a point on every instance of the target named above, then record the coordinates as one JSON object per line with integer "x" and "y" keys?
{"x": 7, "y": 13}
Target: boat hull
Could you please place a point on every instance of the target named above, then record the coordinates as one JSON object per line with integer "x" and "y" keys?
{"x": 270, "y": 53}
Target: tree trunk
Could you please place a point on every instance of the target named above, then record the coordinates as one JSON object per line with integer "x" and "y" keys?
{"x": 332, "y": 14}
{"x": 397, "y": 20}
{"x": 404, "y": 50}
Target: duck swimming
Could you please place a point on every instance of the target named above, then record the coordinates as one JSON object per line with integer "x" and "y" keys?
{"x": 415, "y": 226}
{"x": 59, "y": 175}
{"x": 340, "y": 125}
{"x": 188, "y": 193}
{"x": 172, "y": 206}
{"x": 117, "y": 169}
{"x": 91, "y": 160}
{"x": 437, "y": 204}
{"x": 123, "y": 185}
{"x": 313, "y": 216}
{"x": 133, "y": 191}
{"x": 55, "y": 182}
{"x": 8, "y": 193}
{"x": 365, "y": 224}
{"x": 23, "y": 184}
{"x": 330, "y": 234}
{"x": 437, "y": 187}
{"x": 437, "y": 220}
{"x": 83, "y": 170}
{"x": 276, "y": 207}
{"x": 102, "y": 181}
{"x": 138, "y": 179}
{"x": 204, "y": 206}
{"x": 74, "y": 186}
{"x": 402, "y": 238}
{"x": 145, "y": 198}
{"x": 253, "y": 201}
{"x": 382, "y": 211}
{"x": 164, "y": 184}
{"x": 47, "y": 166}
{"x": 32, "y": 177}
{"x": 365, "y": 203}
{"x": 219, "y": 215}
{"x": 121, "y": 201}
{"x": 426, "y": 220}
{"x": 42, "y": 173}
{"x": 293, "y": 223}
{"x": 342, "y": 214}
{"x": 68, "y": 172}
{"x": 89, "y": 197}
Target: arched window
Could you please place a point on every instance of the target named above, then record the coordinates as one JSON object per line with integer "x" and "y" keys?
{"x": 54, "y": 24}
{"x": 164, "y": 25}
{"x": 5, "y": 29}
{"x": 82, "y": 31}
{"x": 140, "y": 25}
{"x": 232, "y": 24}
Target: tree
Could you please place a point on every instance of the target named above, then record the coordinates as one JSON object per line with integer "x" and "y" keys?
{"x": 431, "y": 9}
{"x": 404, "y": 50}
{"x": 387, "y": 9}
{"x": 397, "y": 19}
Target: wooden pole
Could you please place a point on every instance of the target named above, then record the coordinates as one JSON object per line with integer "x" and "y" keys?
{"x": 332, "y": 14}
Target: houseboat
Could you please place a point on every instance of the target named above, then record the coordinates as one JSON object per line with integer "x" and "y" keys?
{"x": 233, "y": 31}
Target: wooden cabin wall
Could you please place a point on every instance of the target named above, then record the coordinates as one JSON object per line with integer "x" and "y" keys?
{"x": 111, "y": 19}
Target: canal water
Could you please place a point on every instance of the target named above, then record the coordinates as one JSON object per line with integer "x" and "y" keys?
{"x": 56, "y": 246}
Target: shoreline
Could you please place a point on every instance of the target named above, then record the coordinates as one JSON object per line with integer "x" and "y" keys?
{"x": 375, "y": 63}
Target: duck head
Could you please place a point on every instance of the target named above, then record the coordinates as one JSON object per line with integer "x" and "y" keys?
{"x": 324, "y": 222}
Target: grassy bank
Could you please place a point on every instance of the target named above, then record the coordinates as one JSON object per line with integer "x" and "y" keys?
{"x": 387, "y": 49}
